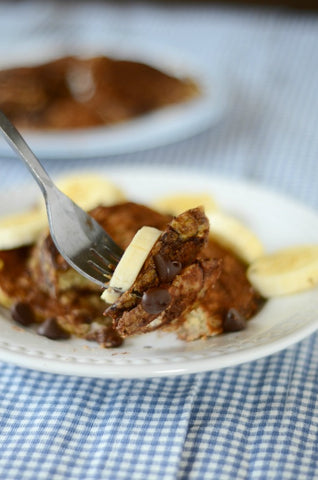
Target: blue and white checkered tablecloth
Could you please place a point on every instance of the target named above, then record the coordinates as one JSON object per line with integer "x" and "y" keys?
{"x": 254, "y": 421}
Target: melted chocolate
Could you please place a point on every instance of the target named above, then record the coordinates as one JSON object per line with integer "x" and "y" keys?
{"x": 51, "y": 329}
{"x": 155, "y": 300}
{"x": 22, "y": 313}
{"x": 107, "y": 337}
{"x": 234, "y": 321}
{"x": 167, "y": 270}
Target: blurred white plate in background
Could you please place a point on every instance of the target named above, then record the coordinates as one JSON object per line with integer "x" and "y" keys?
{"x": 164, "y": 126}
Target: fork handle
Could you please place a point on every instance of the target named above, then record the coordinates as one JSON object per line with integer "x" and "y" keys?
{"x": 17, "y": 143}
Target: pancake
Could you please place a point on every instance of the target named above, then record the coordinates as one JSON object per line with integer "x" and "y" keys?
{"x": 208, "y": 286}
{"x": 179, "y": 246}
{"x": 72, "y": 93}
{"x": 232, "y": 295}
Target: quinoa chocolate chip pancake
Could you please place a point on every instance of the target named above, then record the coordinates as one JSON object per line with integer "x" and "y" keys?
{"x": 171, "y": 279}
{"x": 188, "y": 283}
{"x": 72, "y": 92}
{"x": 225, "y": 307}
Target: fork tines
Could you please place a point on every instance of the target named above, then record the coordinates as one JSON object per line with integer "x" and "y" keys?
{"x": 104, "y": 264}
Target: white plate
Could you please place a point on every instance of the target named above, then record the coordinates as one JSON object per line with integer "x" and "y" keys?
{"x": 164, "y": 126}
{"x": 277, "y": 220}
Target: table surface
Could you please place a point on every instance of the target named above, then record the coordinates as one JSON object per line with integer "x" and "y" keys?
{"x": 254, "y": 421}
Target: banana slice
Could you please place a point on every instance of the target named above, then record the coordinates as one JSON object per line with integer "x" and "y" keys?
{"x": 130, "y": 263}
{"x": 180, "y": 202}
{"x": 287, "y": 271}
{"x": 21, "y": 229}
{"x": 231, "y": 233}
{"x": 89, "y": 190}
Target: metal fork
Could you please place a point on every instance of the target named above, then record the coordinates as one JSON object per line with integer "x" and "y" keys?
{"x": 79, "y": 238}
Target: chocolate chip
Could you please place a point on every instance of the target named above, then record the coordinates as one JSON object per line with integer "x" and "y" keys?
{"x": 51, "y": 329}
{"x": 107, "y": 337}
{"x": 234, "y": 321}
{"x": 155, "y": 300}
{"x": 167, "y": 270}
{"x": 22, "y": 313}
{"x": 112, "y": 339}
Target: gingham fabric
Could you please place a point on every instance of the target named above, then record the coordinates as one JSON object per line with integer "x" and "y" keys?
{"x": 254, "y": 421}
